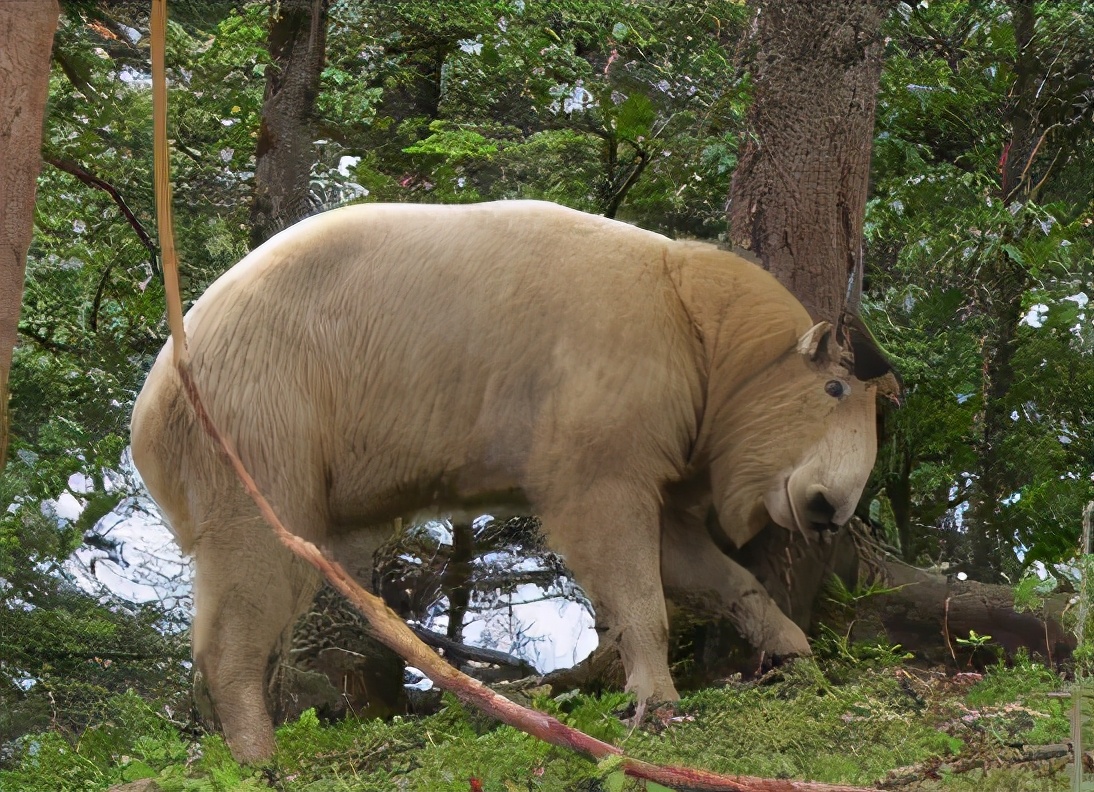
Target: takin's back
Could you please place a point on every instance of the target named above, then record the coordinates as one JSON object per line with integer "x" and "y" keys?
{"x": 380, "y": 356}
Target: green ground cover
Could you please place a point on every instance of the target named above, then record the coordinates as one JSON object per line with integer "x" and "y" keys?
{"x": 832, "y": 722}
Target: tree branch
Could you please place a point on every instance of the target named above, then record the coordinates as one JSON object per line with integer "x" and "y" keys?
{"x": 638, "y": 164}
{"x": 47, "y": 343}
{"x": 90, "y": 179}
{"x": 462, "y": 651}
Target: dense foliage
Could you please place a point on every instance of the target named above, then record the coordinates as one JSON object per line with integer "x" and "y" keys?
{"x": 979, "y": 258}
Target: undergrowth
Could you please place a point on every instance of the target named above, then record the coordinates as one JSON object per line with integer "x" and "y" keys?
{"x": 850, "y": 722}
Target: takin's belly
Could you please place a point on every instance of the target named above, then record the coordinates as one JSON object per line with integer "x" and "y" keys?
{"x": 454, "y": 496}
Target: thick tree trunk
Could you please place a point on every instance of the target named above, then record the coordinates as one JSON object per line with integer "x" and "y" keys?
{"x": 798, "y": 197}
{"x": 26, "y": 38}
{"x": 285, "y": 153}
{"x": 798, "y": 202}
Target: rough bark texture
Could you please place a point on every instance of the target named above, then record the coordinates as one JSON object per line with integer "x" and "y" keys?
{"x": 26, "y": 38}
{"x": 798, "y": 203}
{"x": 798, "y": 197}
{"x": 285, "y": 154}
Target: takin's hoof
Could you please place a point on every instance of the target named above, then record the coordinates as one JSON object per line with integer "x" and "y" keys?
{"x": 786, "y": 645}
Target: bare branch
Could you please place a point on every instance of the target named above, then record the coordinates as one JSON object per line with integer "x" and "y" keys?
{"x": 90, "y": 179}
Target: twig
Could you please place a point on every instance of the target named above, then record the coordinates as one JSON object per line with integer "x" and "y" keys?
{"x": 946, "y": 629}
{"x": 98, "y": 300}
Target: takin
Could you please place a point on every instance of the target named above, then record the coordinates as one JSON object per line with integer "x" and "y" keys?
{"x": 376, "y": 361}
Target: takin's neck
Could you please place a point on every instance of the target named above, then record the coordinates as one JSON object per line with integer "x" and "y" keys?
{"x": 745, "y": 321}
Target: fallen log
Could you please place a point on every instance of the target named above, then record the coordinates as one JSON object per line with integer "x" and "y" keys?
{"x": 927, "y": 613}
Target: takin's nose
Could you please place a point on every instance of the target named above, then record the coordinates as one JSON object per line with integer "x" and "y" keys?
{"x": 819, "y": 511}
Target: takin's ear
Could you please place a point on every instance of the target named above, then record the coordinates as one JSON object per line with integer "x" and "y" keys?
{"x": 812, "y": 344}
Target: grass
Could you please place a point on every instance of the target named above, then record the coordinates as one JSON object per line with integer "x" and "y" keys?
{"x": 835, "y": 723}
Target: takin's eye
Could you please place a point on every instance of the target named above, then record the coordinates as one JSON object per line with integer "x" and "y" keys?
{"x": 837, "y": 389}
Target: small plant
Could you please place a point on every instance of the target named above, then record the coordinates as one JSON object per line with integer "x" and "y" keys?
{"x": 977, "y": 643}
{"x": 975, "y": 640}
{"x": 839, "y": 593}
{"x": 839, "y": 647}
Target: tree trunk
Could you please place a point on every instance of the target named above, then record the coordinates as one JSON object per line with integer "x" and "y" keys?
{"x": 285, "y": 154}
{"x": 798, "y": 202}
{"x": 999, "y": 297}
{"x": 26, "y": 38}
{"x": 798, "y": 196}
{"x": 456, "y": 580}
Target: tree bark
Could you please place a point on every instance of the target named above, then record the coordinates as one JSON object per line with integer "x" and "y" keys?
{"x": 798, "y": 203}
{"x": 456, "y": 579}
{"x": 285, "y": 153}
{"x": 26, "y": 38}
{"x": 928, "y": 613}
{"x": 798, "y": 196}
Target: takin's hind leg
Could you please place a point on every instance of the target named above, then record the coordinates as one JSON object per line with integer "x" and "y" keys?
{"x": 248, "y": 591}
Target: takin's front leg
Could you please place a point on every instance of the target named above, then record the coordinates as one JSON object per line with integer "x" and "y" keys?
{"x": 609, "y": 537}
{"x": 700, "y": 577}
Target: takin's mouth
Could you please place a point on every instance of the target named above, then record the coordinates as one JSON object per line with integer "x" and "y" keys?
{"x": 817, "y": 515}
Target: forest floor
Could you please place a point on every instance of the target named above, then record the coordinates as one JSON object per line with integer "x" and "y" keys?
{"x": 869, "y": 723}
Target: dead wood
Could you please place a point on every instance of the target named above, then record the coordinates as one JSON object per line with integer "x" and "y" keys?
{"x": 455, "y": 650}
{"x": 935, "y": 768}
{"x": 927, "y": 613}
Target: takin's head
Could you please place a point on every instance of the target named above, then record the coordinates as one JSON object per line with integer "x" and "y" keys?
{"x": 802, "y": 436}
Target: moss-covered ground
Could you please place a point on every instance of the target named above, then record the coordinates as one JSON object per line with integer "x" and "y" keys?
{"x": 836, "y": 722}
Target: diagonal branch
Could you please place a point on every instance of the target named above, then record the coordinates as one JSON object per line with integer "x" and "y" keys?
{"x": 91, "y": 180}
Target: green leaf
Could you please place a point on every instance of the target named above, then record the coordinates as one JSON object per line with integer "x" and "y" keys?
{"x": 1015, "y": 254}
{"x": 615, "y": 781}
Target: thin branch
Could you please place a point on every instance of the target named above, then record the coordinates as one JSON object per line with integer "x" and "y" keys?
{"x": 1022, "y": 178}
{"x": 62, "y": 654}
{"x": 456, "y": 649}
{"x": 97, "y": 302}
{"x": 638, "y": 164}
{"x": 1035, "y": 190}
{"x": 72, "y": 73}
{"x": 90, "y": 179}
{"x": 946, "y": 629}
{"x": 47, "y": 343}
